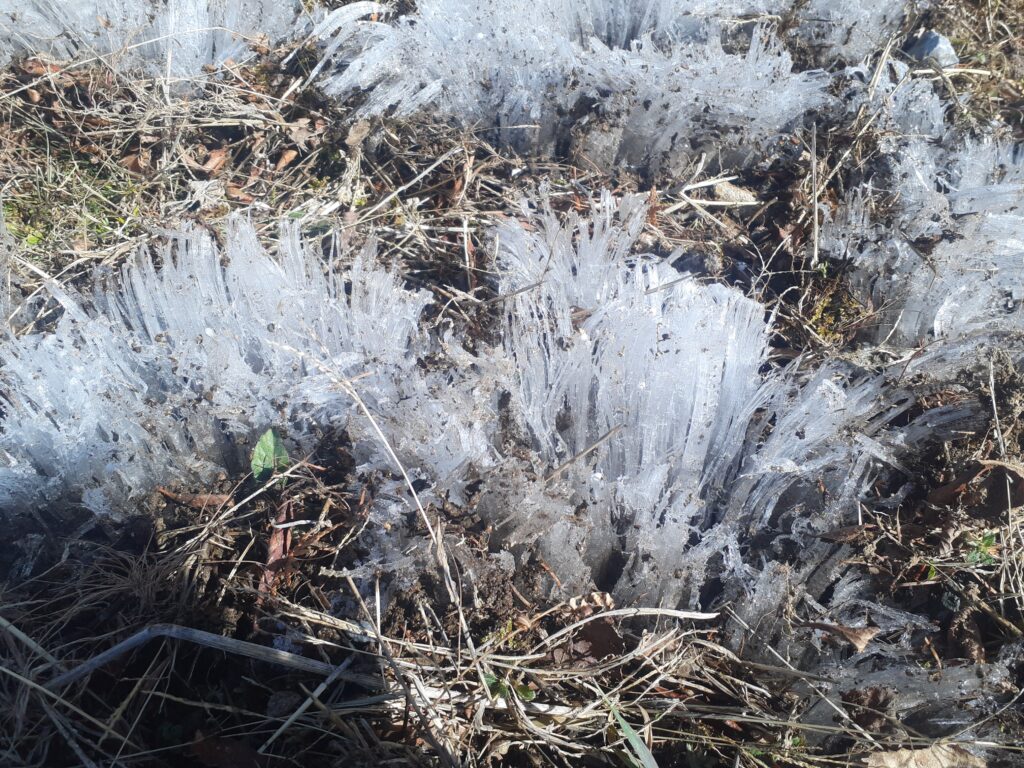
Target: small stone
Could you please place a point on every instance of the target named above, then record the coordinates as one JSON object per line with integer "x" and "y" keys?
{"x": 930, "y": 46}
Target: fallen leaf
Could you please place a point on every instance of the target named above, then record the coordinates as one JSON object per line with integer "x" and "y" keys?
{"x": 964, "y": 630}
{"x": 191, "y": 162}
{"x": 286, "y": 159}
{"x": 869, "y": 707}
{"x": 357, "y": 134}
{"x": 38, "y": 68}
{"x": 936, "y": 756}
{"x": 858, "y": 637}
{"x": 653, "y": 208}
{"x": 216, "y": 161}
{"x": 305, "y": 133}
{"x": 260, "y": 43}
{"x": 132, "y": 162}
{"x": 595, "y": 641}
{"x": 950, "y": 493}
{"x": 269, "y": 456}
{"x": 1017, "y": 469}
{"x": 235, "y": 192}
{"x": 277, "y": 552}
{"x": 94, "y": 121}
{"x": 197, "y": 500}
{"x": 283, "y": 703}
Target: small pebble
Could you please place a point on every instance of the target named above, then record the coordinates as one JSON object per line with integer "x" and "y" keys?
{"x": 932, "y": 47}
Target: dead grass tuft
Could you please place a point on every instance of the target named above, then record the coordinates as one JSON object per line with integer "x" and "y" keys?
{"x": 95, "y": 162}
{"x": 989, "y": 37}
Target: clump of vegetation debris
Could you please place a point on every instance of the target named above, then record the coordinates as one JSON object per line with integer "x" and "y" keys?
{"x": 262, "y": 610}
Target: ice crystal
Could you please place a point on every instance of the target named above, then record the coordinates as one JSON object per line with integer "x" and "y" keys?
{"x": 836, "y": 29}
{"x": 175, "y": 38}
{"x": 168, "y": 369}
{"x": 657, "y": 436}
{"x": 644, "y": 82}
{"x": 661, "y": 441}
{"x": 947, "y": 259}
{"x": 638, "y": 381}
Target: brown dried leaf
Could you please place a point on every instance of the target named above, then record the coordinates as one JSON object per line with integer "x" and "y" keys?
{"x": 132, "y": 162}
{"x": 216, "y": 161}
{"x": 37, "y": 68}
{"x": 95, "y": 121}
{"x": 592, "y": 603}
{"x": 792, "y": 236}
{"x": 277, "y": 552}
{"x": 190, "y": 161}
{"x": 305, "y": 133}
{"x": 595, "y": 641}
{"x": 286, "y": 159}
{"x": 858, "y": 637}
{"x": 964, "y": 630}
{"x": 1012, "y": 466}
{"x": 238, "y": 194}
{"x": 936, "y": 756}
{"x": 949, "y": 494}
{"x": 260, "y": 43}
{"x": 358, "y": 133}
{"x": 197, "y": 500}
{"x": 869, "y": 707}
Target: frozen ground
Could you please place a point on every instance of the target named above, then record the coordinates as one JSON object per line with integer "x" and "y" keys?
{"x": 705, "y": 312}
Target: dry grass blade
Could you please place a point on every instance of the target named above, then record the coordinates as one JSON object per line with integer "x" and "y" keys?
{"x": 225, "y": 644}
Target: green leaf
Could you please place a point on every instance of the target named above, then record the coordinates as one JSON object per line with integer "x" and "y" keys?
{"x": 269, "y": 456}
{"x": 644, "y": 758}
{"x": 495, "y": 687}
{"x": 498, "y": 687}
{"x": 525, "y": 692}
